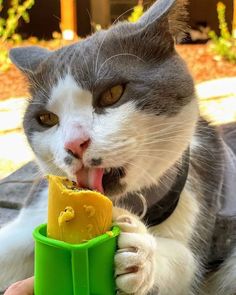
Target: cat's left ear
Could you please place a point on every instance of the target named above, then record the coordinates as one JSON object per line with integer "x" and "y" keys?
{"x": 28, "y": 59}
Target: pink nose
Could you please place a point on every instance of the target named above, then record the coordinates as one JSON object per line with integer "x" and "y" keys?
{"x": 77, "y": 147}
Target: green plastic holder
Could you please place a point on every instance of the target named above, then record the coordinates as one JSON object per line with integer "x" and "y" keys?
{"x": 68, "y": 269}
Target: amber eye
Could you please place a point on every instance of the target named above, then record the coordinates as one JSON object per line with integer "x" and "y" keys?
{"x": 48, "y": 119}
{"x": 111, "y": 96}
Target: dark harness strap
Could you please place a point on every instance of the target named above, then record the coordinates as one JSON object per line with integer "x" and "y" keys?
{"x": 162, "y": 209}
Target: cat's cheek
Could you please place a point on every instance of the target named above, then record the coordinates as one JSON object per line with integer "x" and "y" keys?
{"x": 40, "y": 142}
{"x": 44, "y": 145}
{"x": 51, "y": 154}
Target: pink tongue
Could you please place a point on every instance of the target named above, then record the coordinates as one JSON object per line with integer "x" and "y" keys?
{"x": 90, "y": 178}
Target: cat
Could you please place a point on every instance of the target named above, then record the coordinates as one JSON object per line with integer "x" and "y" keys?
{"x": 117, "y": 112}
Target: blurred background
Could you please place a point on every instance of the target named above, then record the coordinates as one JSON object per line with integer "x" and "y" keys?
{"x": 47, "y": 17}
{"x": 209, "y": 50}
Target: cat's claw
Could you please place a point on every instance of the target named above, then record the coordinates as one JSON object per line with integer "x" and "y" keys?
{"x": 134, "y": 261}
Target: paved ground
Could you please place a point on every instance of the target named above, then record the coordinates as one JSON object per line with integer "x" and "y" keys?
{"x": 14, "y": 191}
{"x": 218, "y": 100}
{"x": 14, "y": 150}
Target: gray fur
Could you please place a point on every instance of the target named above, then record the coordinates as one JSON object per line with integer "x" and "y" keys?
{"x": 123, "y": 54}
{"x": 96, "y": 162}
{"x": 142, "y": 57}
{"x": 68, "y": 160}
{"x": 27, "y": 59}
{"x": 156, "y": 77}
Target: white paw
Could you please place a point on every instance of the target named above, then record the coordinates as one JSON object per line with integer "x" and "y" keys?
{"x": 135, "y": 264}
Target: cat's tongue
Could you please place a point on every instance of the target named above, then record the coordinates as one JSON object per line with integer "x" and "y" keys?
{"x": 90, "y": 178}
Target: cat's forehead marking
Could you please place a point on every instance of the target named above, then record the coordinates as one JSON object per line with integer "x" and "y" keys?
{"x": 67, "y": 96}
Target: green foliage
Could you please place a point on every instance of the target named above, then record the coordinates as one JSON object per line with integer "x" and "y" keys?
{"x": 225, "y": 44}
{"x": 4, "y": 60}
{"x": 18, "y": 10}
{"x": 137, "y": 12}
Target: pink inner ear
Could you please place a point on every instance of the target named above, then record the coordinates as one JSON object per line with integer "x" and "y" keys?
{"x": 90, "y": 178}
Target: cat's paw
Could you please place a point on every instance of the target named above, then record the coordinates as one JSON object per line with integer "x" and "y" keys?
{"x": 135, "y": 264}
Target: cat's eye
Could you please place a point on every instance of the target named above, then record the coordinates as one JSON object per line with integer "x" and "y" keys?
{"x": 111, "y": 96}
{"x": 47, "y": 119}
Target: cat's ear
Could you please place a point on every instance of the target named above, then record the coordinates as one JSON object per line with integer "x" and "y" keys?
{"x": 157, "y": 11}
{"x": 153, "y": 35}
{"x": 27, "y": 59}
{"x": 171, "y": 13}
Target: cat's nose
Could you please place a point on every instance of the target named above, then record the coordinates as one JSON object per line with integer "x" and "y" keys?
{"x": 77, "y": 147}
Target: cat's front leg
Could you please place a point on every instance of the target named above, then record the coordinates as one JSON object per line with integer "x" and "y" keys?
{"x": 17, "y": 245}
{"x": 146, "y": 264}
{"x": 16, "y": 252}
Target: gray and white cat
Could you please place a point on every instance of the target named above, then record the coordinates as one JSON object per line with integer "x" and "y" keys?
{"x": 117, "y": 112}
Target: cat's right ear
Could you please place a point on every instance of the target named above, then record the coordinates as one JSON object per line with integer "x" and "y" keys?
{"x": 27, "y": 59}
{"x": 174, "y": 11}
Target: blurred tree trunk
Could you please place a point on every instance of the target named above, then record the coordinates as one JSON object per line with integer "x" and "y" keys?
{"x": 100, "y": 13}
{"x": 68, "y": 19}
{"x": 234, "y": 20}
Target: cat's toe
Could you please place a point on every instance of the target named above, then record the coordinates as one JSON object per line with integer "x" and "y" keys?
{"x": 135, "y": 263}
{"x": 130, "y": 223}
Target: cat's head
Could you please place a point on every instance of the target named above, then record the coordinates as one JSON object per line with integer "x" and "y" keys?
{"x": 113, "y": 111}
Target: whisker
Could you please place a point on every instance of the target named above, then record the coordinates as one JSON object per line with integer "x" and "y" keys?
{"x": 116, "y": 55}
{"x": 148, "y": 175}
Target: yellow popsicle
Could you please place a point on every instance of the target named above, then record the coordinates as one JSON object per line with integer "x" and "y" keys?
{"x": 74, "y": 215}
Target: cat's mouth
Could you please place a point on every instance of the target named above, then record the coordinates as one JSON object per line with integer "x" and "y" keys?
{"x": 104, "y": 180}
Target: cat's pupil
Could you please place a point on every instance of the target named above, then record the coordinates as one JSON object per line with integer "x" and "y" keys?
{"x": 48, "y": 119}
{"x": 111, "y": 96}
